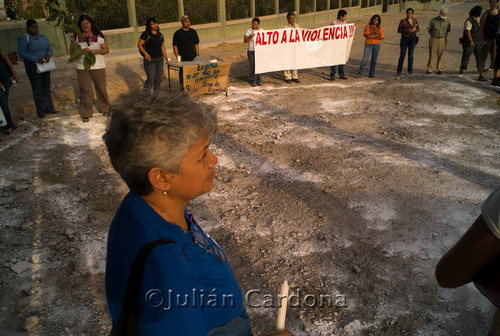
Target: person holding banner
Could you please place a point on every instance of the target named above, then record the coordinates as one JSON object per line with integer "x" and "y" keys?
{"x": 341, "y": 17}
{"x": 293, "y": 74}
{"x": 186, "y": 44}
{"x": 248, "y": 38}
{"x": 374, "y": 34}
{"x": 35, "y": 49}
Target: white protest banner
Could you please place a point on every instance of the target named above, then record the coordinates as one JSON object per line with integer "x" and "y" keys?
{"x": 290, "y": 48}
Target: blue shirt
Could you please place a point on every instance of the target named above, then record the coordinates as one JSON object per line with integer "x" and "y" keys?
{"x": 34, "y": 49}
{"x": 179, "y": 295}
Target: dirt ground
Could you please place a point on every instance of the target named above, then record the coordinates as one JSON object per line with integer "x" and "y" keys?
{"x": 352, "y": 189}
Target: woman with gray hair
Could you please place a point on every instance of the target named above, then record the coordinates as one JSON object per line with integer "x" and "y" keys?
{"x": 164, "y": 274}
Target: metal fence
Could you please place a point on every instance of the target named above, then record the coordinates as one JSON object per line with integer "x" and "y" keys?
{"x": 112, "y": 14}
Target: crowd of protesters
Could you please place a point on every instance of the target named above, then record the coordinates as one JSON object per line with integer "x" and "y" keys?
{"x": 480, "y": 37}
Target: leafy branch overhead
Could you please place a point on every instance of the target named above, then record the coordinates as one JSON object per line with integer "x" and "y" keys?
{"x": 60, "y": 18}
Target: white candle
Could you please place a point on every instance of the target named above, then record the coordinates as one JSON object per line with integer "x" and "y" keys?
{"x": 283, "y": 301}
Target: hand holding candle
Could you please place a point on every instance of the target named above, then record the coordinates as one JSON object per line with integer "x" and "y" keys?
{"x": 283, "y": 301}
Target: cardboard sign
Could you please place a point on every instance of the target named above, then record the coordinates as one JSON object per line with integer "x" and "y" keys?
{"x": 206, "y": 78}
{"x": 297, "y": 48}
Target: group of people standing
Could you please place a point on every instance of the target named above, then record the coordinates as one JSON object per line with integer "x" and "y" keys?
{"x": 36, "y": 52}
{"x": 480, "y": 34}
{"x": 482, "y": 38}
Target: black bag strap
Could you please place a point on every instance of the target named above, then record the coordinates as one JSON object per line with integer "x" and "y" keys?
{"x": 129, "y": 317}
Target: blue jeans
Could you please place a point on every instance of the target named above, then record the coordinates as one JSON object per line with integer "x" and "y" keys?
{"x": 404, "y": 44}
{"x": 40, "y": 86}
{"x": 468, "y": 50}
{"x": 4, "y": 100}
{"x": 370, "y": 49}
{"x": 333, "y": 70}
{"x": 154, "y": 73}
{"x": 251, "y": 59}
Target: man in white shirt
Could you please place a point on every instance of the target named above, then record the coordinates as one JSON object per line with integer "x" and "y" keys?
{"x": 291, "y": 75}
{"x": 248, "y": 38}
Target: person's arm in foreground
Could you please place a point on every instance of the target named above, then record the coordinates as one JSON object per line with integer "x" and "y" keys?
{"x": 477, "y": 248}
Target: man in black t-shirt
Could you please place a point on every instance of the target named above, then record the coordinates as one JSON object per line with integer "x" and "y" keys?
{"x": 186, "y": 43}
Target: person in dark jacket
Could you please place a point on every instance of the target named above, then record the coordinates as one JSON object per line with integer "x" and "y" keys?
{"x": 488, "y": 27}
{"x": 7, "y": 74}
{"x": 471, "y": 40}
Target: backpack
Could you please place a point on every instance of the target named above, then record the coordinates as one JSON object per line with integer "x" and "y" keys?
{"x": 147, "y": 40}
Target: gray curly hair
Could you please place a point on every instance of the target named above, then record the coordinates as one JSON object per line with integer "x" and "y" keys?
{"x": 154, "y": 131}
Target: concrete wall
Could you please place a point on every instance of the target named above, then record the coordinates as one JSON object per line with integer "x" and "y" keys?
{"x": 9, "y": 32}
{"x": 126, "y": 38}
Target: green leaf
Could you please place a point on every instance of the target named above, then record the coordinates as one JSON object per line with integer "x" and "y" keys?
{"x": 86, "y": 63}
{"x": 74, "y": 28}
{"x": 75, "y": 53}
{"x": 52, "y": 17}
{"x": 91, "y": 58}
{"x": 53, "y": 5}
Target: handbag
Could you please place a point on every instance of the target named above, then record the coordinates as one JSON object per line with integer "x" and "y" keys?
{"x": 49, "y": 66}
{"x": 487, "y": 281}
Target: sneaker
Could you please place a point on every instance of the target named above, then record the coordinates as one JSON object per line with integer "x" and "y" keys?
{"x": 254, "y": 84}
{"x": 398, "y": 73}
{"x": 288, "y": 80}
{"x": 482, "y": 79}
{"x": 42, "y": 115}
{"x": 343, "y": 77}
{"x": 371, "y": 76}
{"x": 332, "y": 78}
{"x": 259, "y": 84}
{"x": 462, "y": 71}
{"x": 410, "y": 72}
{"x": 296, "y": 80}
{"x": 428, "y": 72}
{"x": 439, "y": 72}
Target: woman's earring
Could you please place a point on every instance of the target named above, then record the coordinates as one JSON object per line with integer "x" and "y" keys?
{"x": 164, "y": 193}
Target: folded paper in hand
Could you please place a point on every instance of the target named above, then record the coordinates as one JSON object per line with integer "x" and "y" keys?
{"x": 50, "y": 65}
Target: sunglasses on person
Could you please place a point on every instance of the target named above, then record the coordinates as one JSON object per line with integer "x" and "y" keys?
{"x": 201, "y": 239}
